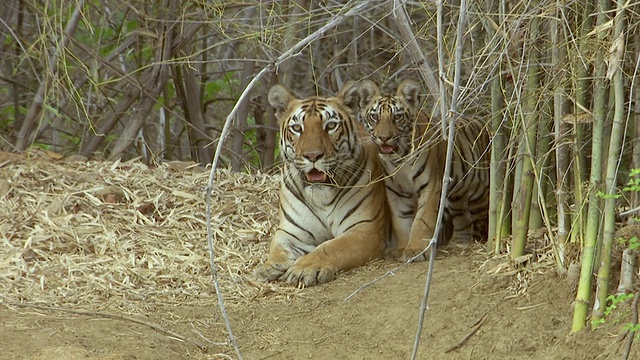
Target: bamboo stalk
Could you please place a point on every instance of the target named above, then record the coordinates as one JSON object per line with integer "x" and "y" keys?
{"x": 526, "y": 154}
{"x": 635, "y": 121}
{"x": 540, "y": 164}
{"x": 583, "y": 295}
{"x": 561, "y": 148}
{"x": 582, "y": 88}
{"x": 615, "y": 143}
{"x": 498, "y": 146}
{"x": 441, "y": 74}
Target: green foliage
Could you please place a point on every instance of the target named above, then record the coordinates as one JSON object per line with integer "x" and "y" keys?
{"x": 631, "y": 327}
{"x": 603, "y": 195}
{"x": 223, "y": 86}
{"x": 633, "y": 185}
{"x": 612, "y": 304}
{"x": 632, "y": 243}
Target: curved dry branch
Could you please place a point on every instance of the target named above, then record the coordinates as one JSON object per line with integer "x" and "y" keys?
{"x": 415, "y": 50}
{"x": 360, "y": 6}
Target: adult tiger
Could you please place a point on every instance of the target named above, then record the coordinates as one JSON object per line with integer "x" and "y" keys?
{"x": 333, "y": 212}
{"x": 412, "y": 153}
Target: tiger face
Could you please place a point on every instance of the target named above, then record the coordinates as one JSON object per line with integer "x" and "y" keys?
{"x": 390, "y": 119}
{"x": 317, "y": 135}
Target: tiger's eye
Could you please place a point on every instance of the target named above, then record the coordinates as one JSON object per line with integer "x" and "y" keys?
{"x": 398, "y": 117}
{"x": 296, "y": 128}
{"x": 374, "y": 117}
{"x": 331, "y": 126}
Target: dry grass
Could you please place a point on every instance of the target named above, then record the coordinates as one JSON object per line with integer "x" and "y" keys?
{"x": 109, "y": 235}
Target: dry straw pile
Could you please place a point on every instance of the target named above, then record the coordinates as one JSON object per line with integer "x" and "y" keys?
{"x": 115, "y": 235}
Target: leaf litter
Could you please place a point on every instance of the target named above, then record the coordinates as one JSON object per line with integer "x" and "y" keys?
{"x": 112, "y": 235}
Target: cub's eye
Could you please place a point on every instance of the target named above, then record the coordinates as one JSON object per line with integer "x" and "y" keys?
{"x": 398, "y": 117}
{"x": 374, "y": 117}
{"x": 296, "y": 128}
{"x": 331, "y": 126}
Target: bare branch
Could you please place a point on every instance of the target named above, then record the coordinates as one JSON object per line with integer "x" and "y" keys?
{"x": 453, "y": 114}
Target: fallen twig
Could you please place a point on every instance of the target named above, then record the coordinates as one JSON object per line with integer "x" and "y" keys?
{"x": 475, "y": 328}
{"x": 631, "y": 333}
{"x": 476, "y": 325}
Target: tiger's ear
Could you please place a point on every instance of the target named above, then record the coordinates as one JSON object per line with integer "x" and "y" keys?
{"x": 280, "y": 97}
{"x": 409, "y": 90}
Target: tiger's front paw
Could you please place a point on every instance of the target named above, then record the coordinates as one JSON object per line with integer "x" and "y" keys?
{"x": 307, "y": 272}
{"x": 270, "y": 271}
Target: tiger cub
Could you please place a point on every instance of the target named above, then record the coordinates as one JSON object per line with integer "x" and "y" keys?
{"x": 413, "y": 154}
{"x": 333, "y": 211}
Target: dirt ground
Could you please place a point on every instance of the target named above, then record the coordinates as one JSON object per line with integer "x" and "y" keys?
{"x": 476, "y": 310}
{"x": 515, "y": 319}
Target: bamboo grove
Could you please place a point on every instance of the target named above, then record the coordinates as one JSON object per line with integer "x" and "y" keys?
{"x": 556, "y": 82}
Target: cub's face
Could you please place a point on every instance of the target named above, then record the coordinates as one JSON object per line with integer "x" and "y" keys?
{"x": 316, "y": 134}
{"x": 389, "y": 119}
{"x": 389, "y": 122}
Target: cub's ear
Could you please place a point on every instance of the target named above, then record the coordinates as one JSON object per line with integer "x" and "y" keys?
{"x": 409, "y": 90}
{"x": 367, "y": 91}
{"x": 357, "y": 95}
{"x": 349, "y": 96}
{"x": 280, "y": 97}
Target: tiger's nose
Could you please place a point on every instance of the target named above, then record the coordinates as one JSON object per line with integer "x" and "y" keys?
{"x": 384, "y": 139}
{"x": 313, "y": 155}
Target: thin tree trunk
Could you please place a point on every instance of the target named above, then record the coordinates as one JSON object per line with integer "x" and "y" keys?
{"x": 271, "y": 131}
{"x": 241, "y": 124}
{"x": 112, "y": 118}
{"x": 149, "y": 98}
{"x": 25, "y": 136}
{"x": 190, "y": 98}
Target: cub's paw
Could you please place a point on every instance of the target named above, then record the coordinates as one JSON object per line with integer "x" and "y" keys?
{"x": 305, "y": 272}
{"x": 270, "y": 271}
{"x": 410, "y": 252}
{"x": 394, "y": 254}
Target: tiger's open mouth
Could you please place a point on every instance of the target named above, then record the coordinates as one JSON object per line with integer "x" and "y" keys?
{"x": 316, "y": 176}
{"x": 387, "y": 149}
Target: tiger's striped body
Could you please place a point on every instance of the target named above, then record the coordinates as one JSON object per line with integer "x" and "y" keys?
{"x": 413, "y": 154}
{"x": 333, "y": 214}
